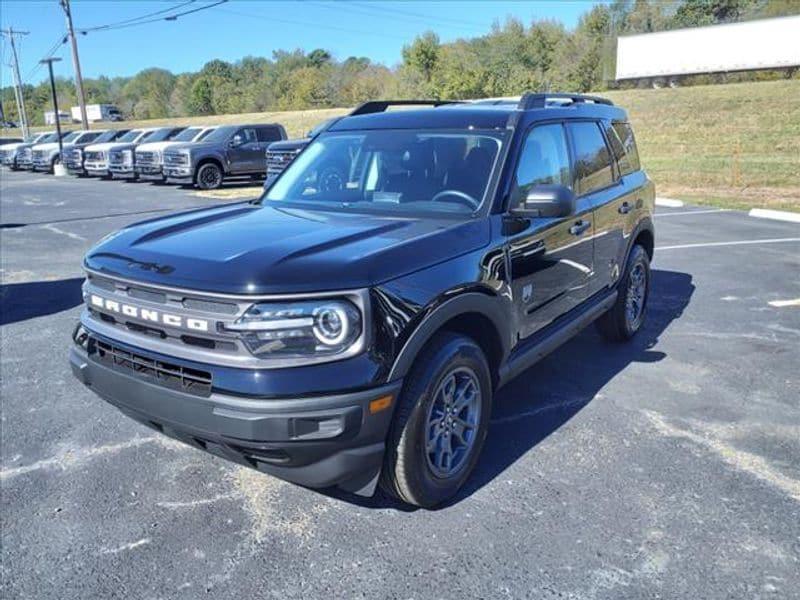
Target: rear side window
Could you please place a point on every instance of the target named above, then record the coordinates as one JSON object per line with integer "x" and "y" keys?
{"x": 624, "y": 145}
{"x": 268, "y": 134}
{"x": 592, "y": 157}
{"x": 544, "y": 160}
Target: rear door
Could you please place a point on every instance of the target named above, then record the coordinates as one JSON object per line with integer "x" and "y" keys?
{"x": 598, "y": 189}
{"x": 265, "y": 134}
{"x": 551, "y": 259}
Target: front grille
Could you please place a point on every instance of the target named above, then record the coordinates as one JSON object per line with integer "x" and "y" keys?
{"x": 192, "y": 381}
{"x": 172, "y": 158}
{"x": 37, "y": 154}
{"x": 148, "y": 158}
{"x": 277, "y": 161}
{"x": 116, "y": 158}
{"x": 95, "y": 156}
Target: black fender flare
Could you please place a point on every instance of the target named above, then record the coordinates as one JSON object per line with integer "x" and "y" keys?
{"x": 488, "y": 305}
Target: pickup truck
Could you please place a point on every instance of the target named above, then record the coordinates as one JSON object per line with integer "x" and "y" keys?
{"x": 228, "y": 152}
{"x": 73, "y": 156}
{"x": 356, "y": 335}
{"x": 11, "y": 153}
{"x": 117, "y": 158}
{"x": 44, "y": 157}
{"x": 150, "y": 155}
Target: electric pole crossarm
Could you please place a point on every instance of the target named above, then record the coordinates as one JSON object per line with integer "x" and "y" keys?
{"x": 23, "y": 116}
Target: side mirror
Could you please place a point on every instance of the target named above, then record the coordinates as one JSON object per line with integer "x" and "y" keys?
{"x": 237, "y": 141}
{"x": 546, "y": 201}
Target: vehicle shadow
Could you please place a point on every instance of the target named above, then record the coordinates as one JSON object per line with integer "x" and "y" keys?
{"x": 535, "y": 404}
{"x": 22, "y": 301}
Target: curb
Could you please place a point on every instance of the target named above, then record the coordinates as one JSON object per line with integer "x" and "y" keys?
{"x": 669, "y": 202}
{"x": 777, "y": 215}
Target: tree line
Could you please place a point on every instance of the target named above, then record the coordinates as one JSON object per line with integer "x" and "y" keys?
{"x": 511, "y": 58}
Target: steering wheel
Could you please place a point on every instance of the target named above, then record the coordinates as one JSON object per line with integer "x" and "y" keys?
{"x": 458, "y": 194}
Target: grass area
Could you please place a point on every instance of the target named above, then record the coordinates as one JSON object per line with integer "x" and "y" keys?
{"x": 735, "y": 145}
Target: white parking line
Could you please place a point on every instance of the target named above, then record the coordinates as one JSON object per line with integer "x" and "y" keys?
{"x": 738, "y": 243}
{"x": 692, "y": 212}
{"x": 778, "y": 215}
{"x": 669, "y": 202}
{"x": 784, "y": 303}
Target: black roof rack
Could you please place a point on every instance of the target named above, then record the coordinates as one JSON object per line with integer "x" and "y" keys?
{"x": 376, "y": 106}
{"x": 539, "y": 100}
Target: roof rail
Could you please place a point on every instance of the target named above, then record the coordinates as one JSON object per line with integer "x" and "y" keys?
{"x": 376, "y": 106}
{"x": 539, "y": 100}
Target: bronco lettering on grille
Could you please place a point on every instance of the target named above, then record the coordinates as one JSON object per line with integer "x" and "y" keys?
{"x": 149, "y": 315}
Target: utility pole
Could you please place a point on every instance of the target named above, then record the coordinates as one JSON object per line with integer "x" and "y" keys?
{"x": 23, "y": 117}
{"x": 76, "y": 63}
{"x": 49, "y": 62}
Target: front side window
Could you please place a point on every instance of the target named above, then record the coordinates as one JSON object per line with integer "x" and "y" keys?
{"x": 592, "y": 158}
{"x": 544, "y": 160}
{"x": 392, "y": 171}
{"x": 246, "y": 136}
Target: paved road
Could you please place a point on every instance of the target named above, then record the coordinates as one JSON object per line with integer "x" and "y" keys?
{"x": 669, "y": 467}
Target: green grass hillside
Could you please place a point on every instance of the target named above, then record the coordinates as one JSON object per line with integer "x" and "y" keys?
{"x": 735, "y": 145}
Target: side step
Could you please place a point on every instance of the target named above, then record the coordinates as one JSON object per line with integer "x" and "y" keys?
{"x": 553, "y": 336}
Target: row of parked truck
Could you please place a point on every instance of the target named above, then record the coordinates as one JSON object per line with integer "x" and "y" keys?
{"x": 203, "y": 156}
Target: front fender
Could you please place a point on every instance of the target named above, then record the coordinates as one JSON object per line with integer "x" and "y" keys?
{"x": 485, "y": 304}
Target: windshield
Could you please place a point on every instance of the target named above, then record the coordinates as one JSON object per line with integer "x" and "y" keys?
{"x": 130, "y": 136}
{"x": 106, "y": 136}
{"x": 205, "y": 134}
{"x": 70, "y": 137}
{"x": 392, "y": 171}
{"x": 46, "y": 139}
{"x": 187, "y": 135}
{"x": 160, "y": 135}
{"x": 219, "y": 135}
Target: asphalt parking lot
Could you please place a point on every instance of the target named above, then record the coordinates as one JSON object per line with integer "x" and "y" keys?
{"x": 666, "y": 468}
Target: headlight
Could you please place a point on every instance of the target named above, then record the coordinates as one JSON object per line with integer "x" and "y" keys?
{"x": 302, "y": 329}
{"x": 127, "y": 156}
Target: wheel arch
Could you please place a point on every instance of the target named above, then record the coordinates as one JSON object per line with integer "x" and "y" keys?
{"x": 643, "y": 235}
{"x": 477, "y": 315}
{"x": 209, "y": 159}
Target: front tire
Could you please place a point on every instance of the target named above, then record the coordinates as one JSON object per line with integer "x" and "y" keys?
{"x": 440, "y": 422}
{"x": 209, "y": 177}
{"x": 627, "y": 316}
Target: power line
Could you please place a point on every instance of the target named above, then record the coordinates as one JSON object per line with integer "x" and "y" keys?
{"x": 171, "y": 17}
{"x": 386, "y": 9}
{"x": 49, "y": 54}
{"x": 336, "y": 5}
{"x": 139, "y": 18}
{"x": 309, "y": 24}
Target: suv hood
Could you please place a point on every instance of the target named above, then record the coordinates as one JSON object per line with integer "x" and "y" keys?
{"x": 285, "y": 145}
{"x": 250, "y": 249}
{"x": 48, "y": 146}
{"x": 195, "y": 146}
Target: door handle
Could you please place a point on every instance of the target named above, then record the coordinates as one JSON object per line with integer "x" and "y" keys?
{"x": 579, "y": 227}
{"x": 625, "y": 208}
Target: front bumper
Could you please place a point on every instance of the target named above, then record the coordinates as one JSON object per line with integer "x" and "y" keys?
{"x": 96, "y": 169}
{"x": 181, "y": 175}
{"x": 40, "y": 165}
{"x": 315, "y": 441}
{"x": 150, "y": 173}
{"x": 74, "y": 168}
{"x": 122, "y": 171}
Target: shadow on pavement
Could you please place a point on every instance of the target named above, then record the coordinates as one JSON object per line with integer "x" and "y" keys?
{"x": 538, "y": 402}
{"x": 22, "y": 301}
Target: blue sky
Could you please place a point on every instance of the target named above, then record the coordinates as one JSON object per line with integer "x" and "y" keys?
{"x": 373, "y": 28}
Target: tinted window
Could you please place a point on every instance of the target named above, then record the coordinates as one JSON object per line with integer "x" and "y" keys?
{"x": 544, "y": 160}
{"x": 268, "y": 134}
{"x": 248, "y": 135}
{"x": 592, "y": 158}
{"x": 621, "y": 135}
{"x": 205, "y": 134}
{"x": 88, "y": 137}
{"x": 187, "y": 135}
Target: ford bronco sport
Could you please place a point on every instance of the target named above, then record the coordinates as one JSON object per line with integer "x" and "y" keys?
{"x": 355, "y": 335}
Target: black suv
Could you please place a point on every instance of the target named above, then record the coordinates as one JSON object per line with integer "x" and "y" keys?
{"x": 228, "y": 151}
{"x": 345, "y": 336}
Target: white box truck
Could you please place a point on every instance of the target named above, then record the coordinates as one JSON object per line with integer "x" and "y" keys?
{"x": 97, "y": 112}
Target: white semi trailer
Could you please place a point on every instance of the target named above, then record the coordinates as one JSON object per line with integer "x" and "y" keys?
{"x": 749, "y": 45}
{"x": 97, "y": 112}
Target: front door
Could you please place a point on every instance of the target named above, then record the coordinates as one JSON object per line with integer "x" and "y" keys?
{"x": 551, "y": 258}
{"x": 245, "y": 155}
